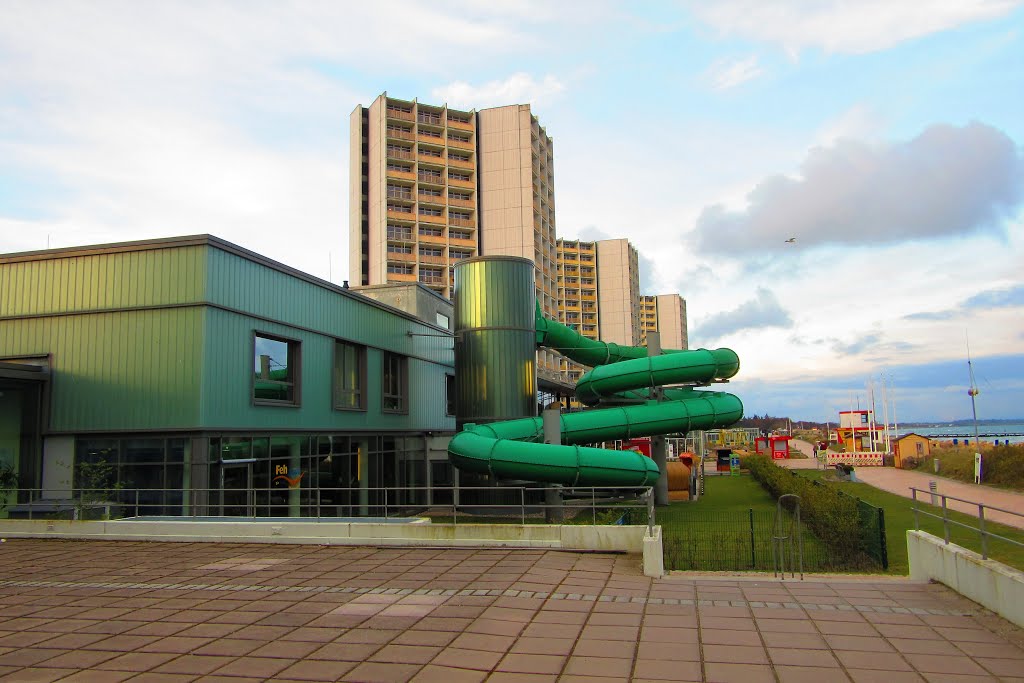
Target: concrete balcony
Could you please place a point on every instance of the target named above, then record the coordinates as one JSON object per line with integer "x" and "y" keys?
{"x": 455, "y": 124}
{"x": 399, "y": 114}
{"x": 461, "y": 144}
{"x": 467, "y": 203}
{"x": 402, "y": 215}
{"x": 427, "y": 218}
{"x": 401, "y": 175}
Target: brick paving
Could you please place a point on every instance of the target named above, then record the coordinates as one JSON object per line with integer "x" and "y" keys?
{"x": 168, "y": 612}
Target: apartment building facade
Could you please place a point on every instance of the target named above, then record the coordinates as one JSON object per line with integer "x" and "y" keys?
{"x": 431, "y": 186}
{"x": 599, "y": 295}
{"x": 666, "y": 314}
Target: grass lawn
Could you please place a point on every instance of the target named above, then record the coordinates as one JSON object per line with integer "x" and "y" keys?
{"x": 728, "y": 529}
{"x": 899, "y": 518}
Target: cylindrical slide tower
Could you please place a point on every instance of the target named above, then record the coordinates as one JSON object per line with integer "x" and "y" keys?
{"x": 495, "y": 339}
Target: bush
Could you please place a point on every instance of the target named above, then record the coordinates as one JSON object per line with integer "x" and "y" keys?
{"x": 832, "y": 517}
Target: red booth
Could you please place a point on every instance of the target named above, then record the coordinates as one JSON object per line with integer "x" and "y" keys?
{"x": 779, "y": 446}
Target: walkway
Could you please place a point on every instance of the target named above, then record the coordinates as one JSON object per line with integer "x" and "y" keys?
{"x": 78, "y": 611}
{"x": 900, "y": 481}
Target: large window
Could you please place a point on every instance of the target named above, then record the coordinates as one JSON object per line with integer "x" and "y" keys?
{"x": 395, "y": 383}
{"x": 276, "y": 370}
{"x": 349, "y": 376}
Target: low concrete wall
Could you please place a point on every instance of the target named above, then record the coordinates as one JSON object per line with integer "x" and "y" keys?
{"x": 612, "y": 538}
{"x": 989, "y": 583}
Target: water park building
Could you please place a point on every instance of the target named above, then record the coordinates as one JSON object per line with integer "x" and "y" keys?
{"x": 208, "y": 375}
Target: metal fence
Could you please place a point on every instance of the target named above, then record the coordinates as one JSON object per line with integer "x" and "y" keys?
{"x": 457, "y": 505}
{"x": 985, "y": 534}
{"x": 734, "y": 540}
{"x": 872, "y": 529}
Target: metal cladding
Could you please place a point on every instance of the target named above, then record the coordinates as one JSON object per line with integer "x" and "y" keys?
{"x": 495, "y": 348}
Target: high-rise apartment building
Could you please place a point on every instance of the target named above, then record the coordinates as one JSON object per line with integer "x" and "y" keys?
{"x": 431, "y": 185}
{"x": 618, "y": 285}
{"x": 666, "y": 314}
{"x": 599, "y": 295}
{"x": 577, "y": 295}
{"x": 413, "y": 193}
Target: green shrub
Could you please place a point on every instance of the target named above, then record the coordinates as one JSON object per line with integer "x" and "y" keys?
{"x": 834, "y": 518}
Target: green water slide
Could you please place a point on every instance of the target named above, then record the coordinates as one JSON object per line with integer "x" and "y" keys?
{"x": 514, "y": 449}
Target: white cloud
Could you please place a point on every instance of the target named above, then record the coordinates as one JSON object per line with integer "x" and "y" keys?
{"x": 947, "y": 181}
{"x": 728, "y": 73}
{"x": 519, "y": 88}
{"x": 844, "y": 26}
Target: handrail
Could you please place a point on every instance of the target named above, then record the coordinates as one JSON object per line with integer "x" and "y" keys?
{"x": 360, "y": 501}
{"x": 984, "y": 533}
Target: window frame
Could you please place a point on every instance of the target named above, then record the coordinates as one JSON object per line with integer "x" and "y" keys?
{"x": 449, "y": 394}
{"x": 294, "y": 367}
{"x": 337, "y": 374}
{"x": 402, "y": 407}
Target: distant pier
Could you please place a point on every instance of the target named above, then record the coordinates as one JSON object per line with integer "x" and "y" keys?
{"x": 961, "y": 435}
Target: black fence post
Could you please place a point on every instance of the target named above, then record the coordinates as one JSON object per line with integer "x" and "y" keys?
{"x": 753, "y": 559}
{"x": 881, "y": 538}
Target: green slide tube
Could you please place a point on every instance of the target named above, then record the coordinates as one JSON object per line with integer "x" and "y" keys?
{"x": 514, "y": 449}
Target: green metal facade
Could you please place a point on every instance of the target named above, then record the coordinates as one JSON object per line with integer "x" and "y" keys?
{"x": 159, "y": 336}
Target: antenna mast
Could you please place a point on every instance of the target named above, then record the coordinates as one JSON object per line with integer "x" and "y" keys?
{"x": 972, "y": 392}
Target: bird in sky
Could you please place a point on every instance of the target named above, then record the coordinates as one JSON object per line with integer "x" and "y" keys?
{"x": 791, "y": 240}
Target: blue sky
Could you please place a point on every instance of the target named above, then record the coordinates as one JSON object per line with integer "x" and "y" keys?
{"x": 885, "y": 136}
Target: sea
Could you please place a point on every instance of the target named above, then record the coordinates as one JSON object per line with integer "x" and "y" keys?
{"x": 986, "y": 433}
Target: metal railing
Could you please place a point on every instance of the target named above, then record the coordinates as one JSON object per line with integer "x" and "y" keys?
{"x": 783, "y": 538}
{"x": 983, "y": 531}
{"x": 462, "y": 504}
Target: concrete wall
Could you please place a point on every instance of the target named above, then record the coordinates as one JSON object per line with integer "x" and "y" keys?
{"x": 627, "y": 539}
{"x": 989, "y": 583}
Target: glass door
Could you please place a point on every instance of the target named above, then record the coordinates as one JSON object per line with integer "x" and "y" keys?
{"x": 236, "y": 490}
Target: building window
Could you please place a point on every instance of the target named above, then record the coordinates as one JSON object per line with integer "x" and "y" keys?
{"x": 395, "y": 383}
{"x": 449, "y": 394}
{"x": 442, "y": 320}
{"x": 427, "y": 211}
{"x": 399, "y": 232}
{"x": 349, "y": 376}
{"x": 399, "y": 248}
{"x": 276, "y": 370}
{"x": 460, "y": 235}
{"x": 431, "y": 232}
{"x": 397, "y": 192}
{"x": 400, "y": 268}
{"x": 430, "y": 251}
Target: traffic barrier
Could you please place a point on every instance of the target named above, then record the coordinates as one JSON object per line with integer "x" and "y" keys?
{"x": 857, "y": 459}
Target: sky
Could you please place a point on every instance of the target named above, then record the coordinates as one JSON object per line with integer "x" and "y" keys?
{"x": 885, "y": 137}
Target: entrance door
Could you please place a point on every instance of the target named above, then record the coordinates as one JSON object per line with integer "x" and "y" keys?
{"x": 236, "y": 490}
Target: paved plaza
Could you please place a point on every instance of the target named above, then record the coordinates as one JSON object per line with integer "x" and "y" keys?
{"x": 169, "y": 612}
